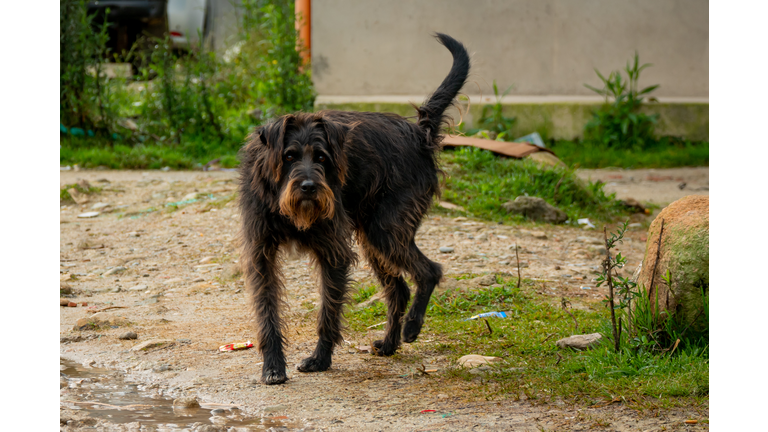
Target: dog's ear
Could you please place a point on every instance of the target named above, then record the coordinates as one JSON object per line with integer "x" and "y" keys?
{"x": 336, "y": 134}
{"x": 272, "y": 136}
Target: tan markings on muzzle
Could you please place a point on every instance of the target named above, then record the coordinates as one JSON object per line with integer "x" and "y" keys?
{"x": 302, "y": 212}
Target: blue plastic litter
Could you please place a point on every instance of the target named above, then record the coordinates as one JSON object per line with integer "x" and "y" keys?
{"x": 488, "y": 314}
{"x": 533, "y": 138}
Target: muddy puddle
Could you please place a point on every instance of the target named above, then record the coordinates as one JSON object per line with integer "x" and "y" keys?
{"x": 104, "y": 394}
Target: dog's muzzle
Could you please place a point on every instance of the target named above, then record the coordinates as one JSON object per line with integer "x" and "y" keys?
{"x": 306, "y": 201}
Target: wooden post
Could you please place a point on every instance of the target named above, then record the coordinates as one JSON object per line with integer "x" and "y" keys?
{"x": 303, "y": 9}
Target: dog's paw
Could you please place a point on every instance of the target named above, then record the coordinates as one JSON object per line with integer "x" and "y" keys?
{"x": 382, "y": 348}
{"x": 313, "y": 364}
{"x": 411, "y": 329}
{"x": 273, "y": 376}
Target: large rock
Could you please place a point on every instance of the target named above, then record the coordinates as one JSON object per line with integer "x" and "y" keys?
{"x": 536, "y": 209}
{"x": 685, "y": 253}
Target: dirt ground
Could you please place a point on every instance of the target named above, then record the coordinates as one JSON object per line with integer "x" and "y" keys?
{"x": 177, "y": 286}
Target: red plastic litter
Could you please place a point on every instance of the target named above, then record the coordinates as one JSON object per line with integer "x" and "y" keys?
{"x": 428, "y": 411}
{"x": 236, "y": 346}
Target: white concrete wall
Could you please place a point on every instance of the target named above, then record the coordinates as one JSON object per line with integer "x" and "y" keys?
{"x": 542, "y": 47}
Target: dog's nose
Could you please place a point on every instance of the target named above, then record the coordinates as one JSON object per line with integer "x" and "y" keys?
{"x": 308, "y": 186}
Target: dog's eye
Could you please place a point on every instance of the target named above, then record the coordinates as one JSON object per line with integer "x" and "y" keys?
{"x": 321, "y": 158}
{"x": 289, "y": 158}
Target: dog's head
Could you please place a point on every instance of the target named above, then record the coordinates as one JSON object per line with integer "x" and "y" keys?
{"x": 301, "y": 157}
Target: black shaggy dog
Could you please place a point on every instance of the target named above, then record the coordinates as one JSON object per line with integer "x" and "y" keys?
{"x": 314, "y": 179}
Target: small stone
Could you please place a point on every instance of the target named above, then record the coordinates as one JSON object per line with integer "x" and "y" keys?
{"x": 536, "y": 209}
{"x": 72, "y": 304}
{"x": 445, "y": 249}
{"x": 161, "y": 368}
{"x": 450, "y": 206}
{"x": 474, "y": 360}
{"x": 100, "y": 319}
{"x": 539, "y": 235}
{"x": 114, "y": 270}
{"x": 580, "y": 342}
{"x": 173, "y": 281}
{"x": 190, "y": 196}
{"x": 63, "y": 302}
{"x": 275, "y": 408}
{"x": 100, "y": 205}
{"x": 64, "y": 288}
{"x": 480, "y": 370}
{"x": 186, "y": 402}
{"x": 78, "y": 197}
{"x": 483, "y": 236}
{"x": 486, "y": 280}
{"x": 151, "y": 344}
{"x": 589, "y": 240}
{"x": 128, "y": 336}
{"x": 600, "y": 250}
{"x": 635, "y": 225}
{"x": 92, "y": 214}
{"x": 198, "y": 279}
{"x": 133, "y": 234}
{"x": 140, "y": 287}
{"x": 218, "y": 411}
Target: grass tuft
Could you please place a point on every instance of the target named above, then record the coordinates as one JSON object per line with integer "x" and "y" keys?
{"x": 481, "y": 182}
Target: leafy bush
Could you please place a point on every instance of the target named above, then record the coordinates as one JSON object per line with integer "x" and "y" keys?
{"x": 83, "y": 88}
{"x": 619, "y": 123}
{"x": 286, "y": 83}
{"x": 200, "y": 104}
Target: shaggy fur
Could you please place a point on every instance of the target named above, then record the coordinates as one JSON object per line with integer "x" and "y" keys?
{"x": 312, "y": 180}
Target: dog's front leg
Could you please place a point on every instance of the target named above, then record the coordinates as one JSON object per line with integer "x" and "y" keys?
{"x": 266, "y": 289}
{"x": 334, "y": 280}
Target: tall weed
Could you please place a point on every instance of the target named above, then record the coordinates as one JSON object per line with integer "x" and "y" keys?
{"x": 619, "y": 122}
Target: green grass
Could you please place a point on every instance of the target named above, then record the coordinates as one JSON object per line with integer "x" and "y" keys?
{"x": 193, "y": 152}
{"x": 363, "y": 292}
{"x": 481, "y": 182}
{"x": 527, "y": 340}
{"x": 665, "y": 154}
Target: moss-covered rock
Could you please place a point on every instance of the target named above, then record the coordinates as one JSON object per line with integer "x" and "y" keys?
{"x": 684, "y": 253}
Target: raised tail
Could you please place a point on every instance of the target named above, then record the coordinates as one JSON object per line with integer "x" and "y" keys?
{"x": 432, "y": 112}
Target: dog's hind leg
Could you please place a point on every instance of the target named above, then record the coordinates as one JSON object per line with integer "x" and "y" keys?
{"x": 266, "y": 290}
{"x": 396, "y": 293}
{"x": 426, "y": 273}
{"x": 334, "y": 280}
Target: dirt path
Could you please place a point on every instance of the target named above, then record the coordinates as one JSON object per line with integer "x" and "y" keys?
{"x": 658, "y": 186}
{"x": 177, "y": 285}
